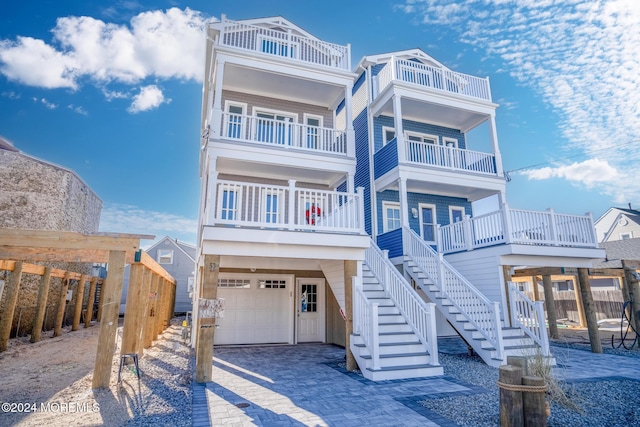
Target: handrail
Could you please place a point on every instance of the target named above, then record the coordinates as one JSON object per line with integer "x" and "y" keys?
{"x": 283, "y": 133}
{"x": 284, "y": 44}
{"x": 529, "y": 316}
{"x": 450, "y": 157}
{"x": 419, "y": 314}
{"x": 483, "y": 314}
{"x": 365, "y": 321}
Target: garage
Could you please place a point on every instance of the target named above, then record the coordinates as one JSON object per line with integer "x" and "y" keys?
{"x": 258, "y": 309}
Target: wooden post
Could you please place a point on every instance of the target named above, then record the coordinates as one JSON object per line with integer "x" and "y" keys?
{"x": 350, "y": 270}
{"x": 589, "y": 308}
{"x": 62, "y": 304}
{"x": 534, "y": 409}
{"x": 149, "y": 329}
{"x": 162, "y": 288}
{"x": 110, "y": 296}
{"x": 92, "y": 296}
{"x": 100, "y": 299}
{"x": 11, "y": 297}
{"x": 79, "y": 297}
{"x": 510, "y": 401}
{"x": 43, "y": 292}
{"x": 634, "y": 297}
{"x": 625, "y": 286}
{"x": 579, "y": 303}
{"x": 206, "y": 327}
{"x": 536, "y": 291}
{"x": 552, "y": 318}
{"x": 134, "y": 304}
{"x": 506, "y": 275}
{"x": 143, "y": 312}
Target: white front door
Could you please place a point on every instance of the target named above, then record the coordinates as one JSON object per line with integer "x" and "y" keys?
{"x": 310, "y": 310}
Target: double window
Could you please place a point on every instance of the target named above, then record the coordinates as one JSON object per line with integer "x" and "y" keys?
{"x": 274, "y": 127}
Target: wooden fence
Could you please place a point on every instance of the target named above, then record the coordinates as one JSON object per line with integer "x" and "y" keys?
{"x": 608, "y": 304}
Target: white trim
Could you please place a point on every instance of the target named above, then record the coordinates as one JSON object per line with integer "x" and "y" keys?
{"x": 306, "y": 116}
{"x": 279, "y": 212}
{"x": 168, "y": 253}
{"x": 447, "y": 140}
{"x": 626, "y": 235}
{"x": 288, "y": 114}
{"x": 385, "y": 205}
{"x": 435, "y": 219}
{"x": 386, "y": 129}
{"x": 452, "y": 208}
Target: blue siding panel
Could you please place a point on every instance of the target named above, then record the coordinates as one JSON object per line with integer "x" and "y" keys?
{"x": 413, "y": 126}
{"x": 391, "y": 241}
{"x": 385, "y": 159}
{"x": 361, "y": 178}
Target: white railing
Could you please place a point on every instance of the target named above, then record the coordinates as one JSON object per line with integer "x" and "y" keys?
{"x": 274, "y": 206}
{"x": 450, "y": 157}
{"x": 529, "y": 316}
{"x": 434, "y": 78}
{"x": 518, "y": 226}
{"x": 283, "y": 133}
{"x": 483, "y": 314}
{"x": 365, "y": 322}
{"x": 419, "y": 314}
{"x": 284, "y": 44}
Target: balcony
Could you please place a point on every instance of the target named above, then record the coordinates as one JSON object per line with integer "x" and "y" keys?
{"x": 436, "y": 78}
{"x": 289, "y": 44}
{"x": 283, "y": 133}
{"x": 275, "y": 207}
{"x": 515, "y": 226}
{"x": 434, "y": 156}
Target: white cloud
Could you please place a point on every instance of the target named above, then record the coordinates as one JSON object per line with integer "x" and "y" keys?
{"x": 590, "y": 172}
{"x": 120, "y": 218}
{"x": 580, "y": 56}
{"x": 46, "y": 103}
{"x": 150, "y": 97}
{"x": 157, "y": 44}
{"x": 78, "y": 109}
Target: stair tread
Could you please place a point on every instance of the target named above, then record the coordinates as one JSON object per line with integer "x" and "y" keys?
{"x": 403, "y": 368}
{"x": 390, "y": 356}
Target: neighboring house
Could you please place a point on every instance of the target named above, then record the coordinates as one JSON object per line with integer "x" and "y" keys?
{"x": 310, "y": 172}
{"x": 36, "y": 194}
{"x": 178, "y": 259}
{"x": 618, "y": 224}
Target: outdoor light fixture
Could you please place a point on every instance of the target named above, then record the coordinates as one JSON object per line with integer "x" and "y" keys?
{"x": 414, "y": 212}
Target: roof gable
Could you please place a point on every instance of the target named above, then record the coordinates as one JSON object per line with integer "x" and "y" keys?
{"x": 277, "y": 23}
{"x": 181, "y": 246}
{"x": 410, "y": 54}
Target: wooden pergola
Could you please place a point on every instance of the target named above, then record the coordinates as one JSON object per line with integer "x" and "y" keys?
{"x": 150, "y": 298}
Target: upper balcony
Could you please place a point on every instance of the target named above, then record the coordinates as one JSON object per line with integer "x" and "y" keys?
{"x": 277, "y": 37}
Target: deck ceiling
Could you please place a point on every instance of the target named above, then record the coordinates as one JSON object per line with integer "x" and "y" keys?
{"x": 268, "y": 84}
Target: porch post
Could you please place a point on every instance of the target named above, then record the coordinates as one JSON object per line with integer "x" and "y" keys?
{"x": 204, "y": 347}
{"x": 216, "y": 120}
{"x": 590, "y": 312}
{"x": 350, "y": 270}
{"x": 494, "y": 144}
{"x": 552, "y": 318}
{"x": 506, "y": 275}
{"x": 397, "y": 118}
{"x": 404, "y": 202}
{"x": 351, "y": 138}
{"x": 291, "y": 223}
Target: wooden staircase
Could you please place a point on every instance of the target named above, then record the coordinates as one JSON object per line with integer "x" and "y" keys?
{"x": 401, "y": 353}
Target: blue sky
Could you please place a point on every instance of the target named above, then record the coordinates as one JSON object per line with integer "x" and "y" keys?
{"x": 113, "y": 91}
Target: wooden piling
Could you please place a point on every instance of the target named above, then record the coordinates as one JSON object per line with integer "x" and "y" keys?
{"x": 132, "y": 322}
{"x": 149, "y": 329}
{"x": 549, "y": 303}
{"x": 41, "y": 307}
{"x": 92, "y": 296}
{"x": 633, "y": 290}
{"x": 533, "y": 403}
{"x": 511, "y": 414}
{"x": 62, "y": 304}
{"x": 206, "y": 327}
{"x": 589, "y": 310}
{"x": 11, "y": 296}
{"x": 79, "y": 299}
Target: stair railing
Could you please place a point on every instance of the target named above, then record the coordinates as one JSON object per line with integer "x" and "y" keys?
{"x": 483, "y": 314}
{"x": 529, "y": 316}
{"x": 365, "y": 321}
{"x": 420, "y": 315}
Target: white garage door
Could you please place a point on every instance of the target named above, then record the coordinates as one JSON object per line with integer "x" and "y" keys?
{"x": 258, "y": 309}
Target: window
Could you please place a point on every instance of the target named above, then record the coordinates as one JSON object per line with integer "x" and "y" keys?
{"x": 456, "y": 214}
{"x": 272, "y": 284}
{"x": 450, "y": 142}
{"x": 626, "y": 236}
{"x": 229, "y": 208}
{"x": 387, "y": 134}
{"x": 312, "y": 131}
{"x": 428, "y": 222}
{"x": 273, "y": 127}
{"x": 235, "y": 117}
{"x": 165, "y": 256}
{"x": 419, "y": 137}
{"x": 391, "y": 216}
{"x": 272, "y": 201}
{"x": 234, "y": 283}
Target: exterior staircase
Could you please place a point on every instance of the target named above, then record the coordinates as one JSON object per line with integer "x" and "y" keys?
{"x": 394, "y": 330}
{"x": 476, "y": 319}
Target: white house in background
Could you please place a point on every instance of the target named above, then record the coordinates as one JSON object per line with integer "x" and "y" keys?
{"x": 618, "y": 224}
{"x": 309, "y": 170}
{"x": 178, "y": 259}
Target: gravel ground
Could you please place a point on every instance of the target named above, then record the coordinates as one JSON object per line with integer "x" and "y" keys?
{"x": 603, "y": 403}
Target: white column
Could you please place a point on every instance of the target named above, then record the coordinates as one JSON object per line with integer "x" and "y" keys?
{"x": 351, "y": 186}
{"x": 397, "y": 118}
{"x": 404, "y": 203}
{"x": 494, "y": 143}
{"x": 351, "y": 138}
{"x": 212, "y": 190}
{"x": 216, "y": 119}
{"x": 292, "y": 204}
